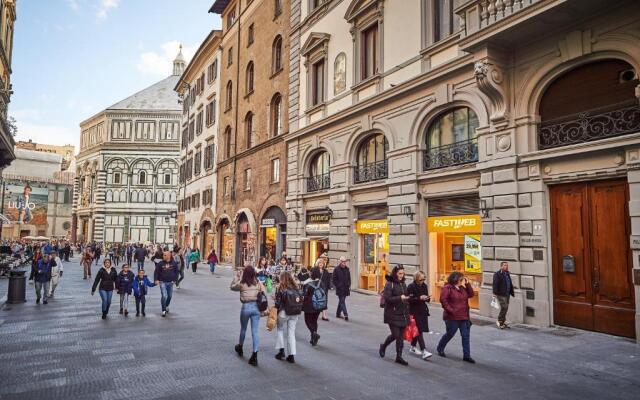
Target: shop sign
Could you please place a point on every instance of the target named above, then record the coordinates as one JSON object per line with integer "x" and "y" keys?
{"x": 532, "y": 241}
{"x": 372, "y": 226}
{"x": 472, "y": 251}
{"x": 317, "y": 228}
{"x": 457, "y": 223}
{"x": 268, "y": 222}
{"x": 318, "y": 218}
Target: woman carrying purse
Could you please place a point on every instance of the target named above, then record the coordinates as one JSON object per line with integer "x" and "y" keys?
{"x": 249, "y": 286}
{"x": 418, "y": 308}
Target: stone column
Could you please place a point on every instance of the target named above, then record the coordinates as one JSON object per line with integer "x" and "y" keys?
{"x": 404, "y": 225}
{"x": 633, "y": 177}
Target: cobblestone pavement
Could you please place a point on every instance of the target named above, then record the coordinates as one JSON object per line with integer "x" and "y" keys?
{"x": 63, "y": 350}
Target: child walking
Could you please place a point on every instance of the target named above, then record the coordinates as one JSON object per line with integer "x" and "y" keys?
{"x": 124, "y": 284}
{"x": 140, "y": 285}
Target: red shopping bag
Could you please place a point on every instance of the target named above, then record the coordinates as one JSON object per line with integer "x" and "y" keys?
{"x": 411, "y": 330}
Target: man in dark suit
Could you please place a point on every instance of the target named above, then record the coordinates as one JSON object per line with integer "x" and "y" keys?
{"x": 502, "y": 290}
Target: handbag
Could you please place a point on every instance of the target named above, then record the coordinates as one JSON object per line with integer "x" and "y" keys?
{"x": 494, "y": 303}
{"x": 269, "y": 285}
{"x": 272, "y": 318}
{"x": 262, "y": 301}
{"x": 381, "y": 297}
{"x": 411, "y": 330}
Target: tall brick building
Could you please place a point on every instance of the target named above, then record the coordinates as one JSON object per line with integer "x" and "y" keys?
{"x": 250, "y": 216}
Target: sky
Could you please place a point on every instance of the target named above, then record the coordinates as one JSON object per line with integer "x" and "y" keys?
{"x": 74, "y": 58}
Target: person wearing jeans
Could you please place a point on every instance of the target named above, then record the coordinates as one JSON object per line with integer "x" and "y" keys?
{"x": 502, "y": 289}
{"x": 106, "y": 278}
{"x": 212, "y": 260}
{"x": 247, "y": 283}
{"x": 454, "y": 298}
{"x": 124, "y": 284}
{"x": 42, "y": 276}
{"x": 165, "y": 275}
{"x": 342, "y": 283}
{"x": 396, "y": 311}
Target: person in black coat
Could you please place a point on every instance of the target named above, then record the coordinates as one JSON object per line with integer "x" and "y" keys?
{"x": 418, "y": 298}
{"x": 325, "y": 282}
{"x": 124, "y": 284}
{"x": 502, "y": 289}
{"x": 396, "y": 311}
{"x": 106, "y": 278}
{"x": 311, "y": 313}
{"x": 342, "y": 283}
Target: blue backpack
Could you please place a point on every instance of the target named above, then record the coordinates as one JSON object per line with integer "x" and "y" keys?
{"x": 318, "y": 298}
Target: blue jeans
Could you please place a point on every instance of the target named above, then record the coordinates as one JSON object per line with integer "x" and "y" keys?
{"x": 250, "y": 312}
{"x": 212, "y": 267}
{"x": 465, "y": 331}
{"x": 166, "y": 290}
{"x": 105, "y": 295}
{"x": 140, "y": 264}
{"x": 342, "y": 306}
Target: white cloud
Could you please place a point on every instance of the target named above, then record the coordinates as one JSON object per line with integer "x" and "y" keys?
{"x": 160, "y": 62}
{"x": 73, "y": 4}
{"x": 105, "y": 6}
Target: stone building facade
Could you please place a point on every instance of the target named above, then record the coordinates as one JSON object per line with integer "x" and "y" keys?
{"x": 7, "y": 22}
{"x": 122, "y": 194}
{"x": 452, "y": 136}
{"x": 250, "y": 217}
{"x": 199, "y": 87}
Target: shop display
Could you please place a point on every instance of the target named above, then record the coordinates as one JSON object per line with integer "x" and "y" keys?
{"x": 374, "y": 250}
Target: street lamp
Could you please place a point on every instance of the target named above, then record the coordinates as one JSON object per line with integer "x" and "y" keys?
{"x": 2, "y": 217}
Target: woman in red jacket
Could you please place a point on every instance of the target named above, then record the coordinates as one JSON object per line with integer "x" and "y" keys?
{"x": 454, "y": 298}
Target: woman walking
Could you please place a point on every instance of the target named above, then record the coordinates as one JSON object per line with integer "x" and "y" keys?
{"x": 194, "y": 259}
{"x": 315, "y": 301}
{"x": 212, "y": 260}
{"x": 396, "y": 311}
{"x": 106, "y": 278}
{"x": 454, "y": 298}
{"x": 124, "y": 284}
{"x": 289, "y": 303}
{"x": 418, "y": 308}
{"x": 325, "y": 283}
{"x": 249, "y": 287}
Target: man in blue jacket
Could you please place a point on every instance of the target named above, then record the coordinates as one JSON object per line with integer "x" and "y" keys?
{"x": 502, "y": 289}
{"x": 43, "y": 276}
{"x": 165, "y": 275}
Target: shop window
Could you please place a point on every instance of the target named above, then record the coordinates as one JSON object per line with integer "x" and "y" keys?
{"x": 452, "y": 139}
{"x": 373, "y": 262}
{"x": 371, "y": 161}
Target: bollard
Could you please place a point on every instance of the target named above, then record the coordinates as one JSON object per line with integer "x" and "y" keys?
{"x": 17, "y": 287}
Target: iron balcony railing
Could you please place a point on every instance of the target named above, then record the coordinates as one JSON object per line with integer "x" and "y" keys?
{"x": 615, "y": 120}
{"x": 371, "y": 172}
{"x": 318, "y": 182}
{"x": 458, "y": 153}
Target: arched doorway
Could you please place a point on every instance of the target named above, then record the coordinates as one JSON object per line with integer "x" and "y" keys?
{"x": 206, "y": 238}
{"x": 226, "y": 241}
{"x": 245, "y": 242}
{"x": 273, "y": 233}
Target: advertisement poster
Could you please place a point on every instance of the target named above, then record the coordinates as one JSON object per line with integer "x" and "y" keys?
{"x": 472, "y": 256}
{"x": 26, "y": 204}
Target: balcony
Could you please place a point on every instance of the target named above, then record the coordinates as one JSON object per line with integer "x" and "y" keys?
{"x": 318, "y": 182}
{"x": 587, "y": 126}
{"x": 458, "y": 153}
{"x": 371, "y": 172}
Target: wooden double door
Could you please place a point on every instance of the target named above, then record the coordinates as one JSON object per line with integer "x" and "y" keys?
{"x": 592, "y": 281}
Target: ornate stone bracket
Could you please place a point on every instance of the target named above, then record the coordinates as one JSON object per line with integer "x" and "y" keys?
{"x": 491, "y": 82}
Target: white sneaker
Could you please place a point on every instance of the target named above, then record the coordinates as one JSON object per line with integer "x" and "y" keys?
{"x": 415, "y": 351}
{"x": 164, "y": 313}
{"x": 426, "y": 354}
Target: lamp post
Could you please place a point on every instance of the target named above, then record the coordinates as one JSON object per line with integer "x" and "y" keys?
{"x": 2, "y": 207}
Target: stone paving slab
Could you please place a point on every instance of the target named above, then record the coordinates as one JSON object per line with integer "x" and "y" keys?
{"x": 63, "y": 350}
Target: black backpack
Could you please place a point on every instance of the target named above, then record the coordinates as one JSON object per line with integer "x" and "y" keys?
{"x": 293, "y": 300}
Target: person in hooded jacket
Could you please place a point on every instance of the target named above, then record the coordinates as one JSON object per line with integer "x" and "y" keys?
{"x": 418, "y": 308}
{"x": 140, "y": 285}
{"x": 311, "y": 313}
{"x": 396, "y": 311}
{"x": 454, "y": 298}
{"x": 124, "y": 284}
{"x": 106, "y": 278}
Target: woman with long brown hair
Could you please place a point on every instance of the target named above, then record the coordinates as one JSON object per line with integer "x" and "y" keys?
{"x": 289, "y": 302}
{"x": 246, "y": 282}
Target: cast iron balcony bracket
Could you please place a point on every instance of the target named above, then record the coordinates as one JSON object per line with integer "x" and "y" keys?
{"x": 587, "y": 126}
{"x": 318, "y": 182}
{"x": 458, "y": 153}
{"x": 371, "y": 172}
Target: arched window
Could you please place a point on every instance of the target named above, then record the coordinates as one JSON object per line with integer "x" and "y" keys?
{"x": 249, "y": 77}
{"x": 372, "y": 159}
{"x": 142, "y": 178}
{"x": 248, "y": 124}
{"x": 67, "y": 196}
{"x": 276, "y": 115}
{"x": 229, "y": 96}
{"x": 451, "y": 139}
{"x": 227, "y": 142}
{"x": 319, "y": 173}
{"x": 277, "y": 54}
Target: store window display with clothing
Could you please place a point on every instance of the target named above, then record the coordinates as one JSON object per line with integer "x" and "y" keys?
{"x": 373, "y": 237}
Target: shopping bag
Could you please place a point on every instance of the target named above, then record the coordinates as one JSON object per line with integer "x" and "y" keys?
{"x": 269, "y": 285}
{"x": 494, "y": 303}
{"x": 272, "y": 318}
{"x": 411, "y": 330}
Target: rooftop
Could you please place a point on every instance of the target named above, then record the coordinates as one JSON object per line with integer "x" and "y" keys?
{"x": 159, "y": 96}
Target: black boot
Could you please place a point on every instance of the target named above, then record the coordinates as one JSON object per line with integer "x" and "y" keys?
{"x": 382, "y": 350}
{"x": 401, "y": 360}
{"x": 280, "y": 355}
{"x": 104, "y": 315}
{"x": 254, "y": 359}
{"x": 291, "y": 359}
{"x": 121, "y": 311}
{"x": 239, "y": 350}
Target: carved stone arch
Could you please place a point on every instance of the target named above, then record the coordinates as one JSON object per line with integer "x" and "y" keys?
{"x": 110, "y": 161}
{"x": 309, "y": 153}
{"x": 123, "y": 196}
{"x": 172, "y": 196}
{"x": 223, "y": 217}
{"x": 250, "y": 218}
{"x": 207, "y": 216}
{"x": 272, "y": 200}
{"x": 388, "y": 130}
{"x": 108, "y": 197}
{"x": 159, "y": 196}
{"x": 142, "y": 159}
{"x": 356, "y": 139}
{"x": 173, "y": 164}
{"x": 148, "y": 196}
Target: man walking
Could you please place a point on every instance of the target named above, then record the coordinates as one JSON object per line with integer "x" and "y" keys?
{"x": 502, "y": 289}
{"x": 86, "y": 261}
{"x": 342, "y": 283}
{"x": 43, "y": 276}
{"x": 140, "y": 255}
{"x": 165, "y": 275}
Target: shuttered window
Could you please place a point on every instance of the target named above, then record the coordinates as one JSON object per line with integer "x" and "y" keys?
{"x": 454, "y": 206}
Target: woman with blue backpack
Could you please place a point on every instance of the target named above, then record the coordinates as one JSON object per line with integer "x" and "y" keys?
{"x": 315, "y": 301}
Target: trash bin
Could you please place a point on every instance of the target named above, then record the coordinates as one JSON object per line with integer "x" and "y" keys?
{"x": 17, "y": 287}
